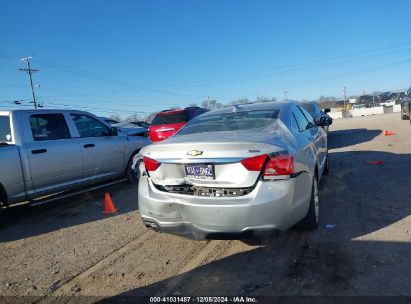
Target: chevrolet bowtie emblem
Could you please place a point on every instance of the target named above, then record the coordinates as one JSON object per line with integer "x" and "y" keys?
{"x": 195, "y": 153}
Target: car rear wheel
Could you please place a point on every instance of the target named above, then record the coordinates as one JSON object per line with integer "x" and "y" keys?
{"x": 133, "y": 175}
{"x": 311, "y": 220}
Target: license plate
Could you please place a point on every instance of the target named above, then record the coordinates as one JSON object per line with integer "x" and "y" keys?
{"x": 200, "y": 171}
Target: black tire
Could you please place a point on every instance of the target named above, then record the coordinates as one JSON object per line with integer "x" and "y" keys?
{"x": 311, "y": 220}
{"x": 327, "y": 165}
{"x": 133, "y": 175}
{"x": 3, "y": 199}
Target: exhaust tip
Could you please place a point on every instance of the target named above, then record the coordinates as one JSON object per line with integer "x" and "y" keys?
{"x": 152, "y": 226}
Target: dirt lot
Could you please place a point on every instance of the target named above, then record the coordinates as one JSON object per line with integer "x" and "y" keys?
{"x": 70, "y": 248}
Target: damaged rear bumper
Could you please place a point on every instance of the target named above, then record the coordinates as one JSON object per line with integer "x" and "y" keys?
{"x": 268, "y": 207}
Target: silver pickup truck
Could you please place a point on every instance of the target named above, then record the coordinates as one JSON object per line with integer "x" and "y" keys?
{"x": 44, "y": 152}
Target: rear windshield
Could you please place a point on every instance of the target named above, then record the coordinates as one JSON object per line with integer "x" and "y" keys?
{"x": 233, "y": 121}
{"x": 5, "y": 132}
{"x": 169, "y": 118}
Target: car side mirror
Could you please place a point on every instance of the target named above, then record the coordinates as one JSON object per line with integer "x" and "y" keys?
{"x": 113, "y": 131}
{"x": 327, "y": 110}
{"x": 325, "y": 121}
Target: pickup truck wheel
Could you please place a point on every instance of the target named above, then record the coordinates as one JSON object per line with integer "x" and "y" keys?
{"x": 311, "y": 220}
{"x": 133, "y": 175}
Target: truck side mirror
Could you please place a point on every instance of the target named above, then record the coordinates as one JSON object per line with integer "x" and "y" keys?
{"x": 327, "y": 110}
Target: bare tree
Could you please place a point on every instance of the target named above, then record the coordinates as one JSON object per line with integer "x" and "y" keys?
{"x": 150, "y": 117}
{"x": 134, "y": 117}
{"x": 115, "y": 117}
{"x": 211, "y": 105}
{"x": 267, "y": 99}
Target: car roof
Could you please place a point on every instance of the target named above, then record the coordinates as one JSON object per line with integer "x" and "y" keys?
{"x": 165, "y": 112}
{"x": 275, "y": 105}
{"x": 170, "y": 111}
{"x": 44, "y": 111}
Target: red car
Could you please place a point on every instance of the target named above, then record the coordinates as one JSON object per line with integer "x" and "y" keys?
{"x": 168, "y": 122}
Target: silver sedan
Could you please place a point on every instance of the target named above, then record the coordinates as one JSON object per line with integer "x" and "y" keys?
{"x": 240, "y": 169}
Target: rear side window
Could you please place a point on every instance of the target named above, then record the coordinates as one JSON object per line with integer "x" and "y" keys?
{"x": 88, "y": 126}
{"x": 308, "y": 116}
{"x": 316, "y": 109}
{"x": 5, "y": 132}
{"x": 169, "y": 118}
{"x": 49, "y": 127}
{"x": 312, "y": 108}
{"x": 308, "y": 106}
{"x": 302, "y": 122}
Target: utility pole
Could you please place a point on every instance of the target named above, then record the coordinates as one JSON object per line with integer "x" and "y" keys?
{"x": 285, "y": 95}
{"x": 30, "y": 71}
{"x": 345, "y": 98}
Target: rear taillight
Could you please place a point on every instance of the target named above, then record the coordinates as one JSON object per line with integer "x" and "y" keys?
{"x": 276, "y": 164}
{"x": 151, "y": 164}
{"x": 282, "y": 164}
{"x": 254, "y": 163}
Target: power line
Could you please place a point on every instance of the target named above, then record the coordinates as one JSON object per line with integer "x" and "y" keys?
{"x": 99, "y": 77}
{"x": 297, "y": 67}
{"x": 323, "y": 63}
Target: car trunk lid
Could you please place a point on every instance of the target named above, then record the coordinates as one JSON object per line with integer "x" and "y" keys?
{"x": 182, "y": 158}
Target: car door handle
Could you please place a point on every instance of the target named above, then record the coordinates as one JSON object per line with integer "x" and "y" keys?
{"x": 39, "y": 151}
{"x": 89, "y": 145}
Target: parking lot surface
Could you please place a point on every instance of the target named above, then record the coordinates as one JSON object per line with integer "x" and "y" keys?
{"x": 361, "y": 248}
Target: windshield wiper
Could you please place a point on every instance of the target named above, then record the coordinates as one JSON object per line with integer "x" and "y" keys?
{"x": 3, "y": 143}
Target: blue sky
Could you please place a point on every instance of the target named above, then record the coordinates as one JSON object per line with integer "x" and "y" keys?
{"x": 130, "y": 57}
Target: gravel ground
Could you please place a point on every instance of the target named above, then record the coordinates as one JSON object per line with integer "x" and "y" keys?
{"x": 70, "y": 248}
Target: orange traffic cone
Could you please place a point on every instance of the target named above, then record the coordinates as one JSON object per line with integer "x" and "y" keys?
{"x": 109, "y": 205}
{"x": 389, "y": 133}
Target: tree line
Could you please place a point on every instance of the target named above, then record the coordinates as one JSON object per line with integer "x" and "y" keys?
{"x": 212, "y": 104}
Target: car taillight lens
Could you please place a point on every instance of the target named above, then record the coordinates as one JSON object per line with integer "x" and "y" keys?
{"x": 254, "y": 163}
{"x": 151, "y": 164}
{"x": 279, "y": 165}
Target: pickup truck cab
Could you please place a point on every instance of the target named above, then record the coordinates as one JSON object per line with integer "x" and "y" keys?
{"x": 45, "y": 152}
